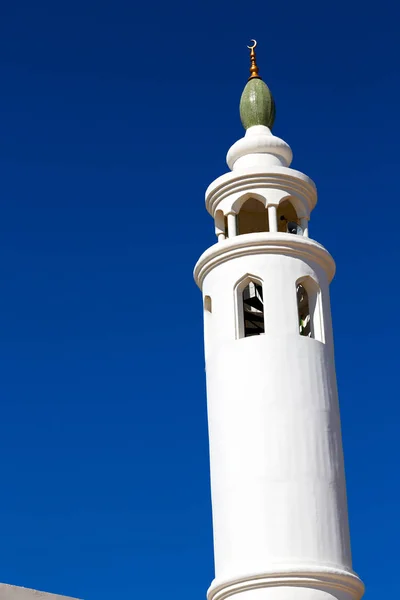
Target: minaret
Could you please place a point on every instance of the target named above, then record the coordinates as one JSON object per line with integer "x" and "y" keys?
{"x": 277, "y": 474}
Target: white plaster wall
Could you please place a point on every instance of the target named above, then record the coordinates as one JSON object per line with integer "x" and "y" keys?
{"x": 276, "y": 460}
{"x": 11, "y": 592}
{"x": 277, "y": 472}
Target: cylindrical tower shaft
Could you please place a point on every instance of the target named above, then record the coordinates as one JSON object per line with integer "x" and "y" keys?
{"x": 277, "y": 474}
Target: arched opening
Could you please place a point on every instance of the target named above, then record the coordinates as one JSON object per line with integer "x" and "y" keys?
{"x": 287, "y": 218}
{"x": 253, "y": 310}
{"x": 303, "y": 307}
{"x": 309, "y": 309}
{"x": 252, "y": 217}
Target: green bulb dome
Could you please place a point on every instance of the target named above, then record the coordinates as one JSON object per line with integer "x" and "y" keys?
{"x": 257, "y": 106}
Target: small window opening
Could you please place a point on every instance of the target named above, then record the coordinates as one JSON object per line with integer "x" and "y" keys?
{"x": 253, "y": 309}
{"x": 252, "y": 217}
{"x": 207, "y": 304}
{"x": 303, "y": 306}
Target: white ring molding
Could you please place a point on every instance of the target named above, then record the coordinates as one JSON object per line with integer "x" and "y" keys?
{"x": 315, "y": 577}
{"x": 259, "y": 140}
{"x": 263, "y": 243}
{"x": 282, "y": 179}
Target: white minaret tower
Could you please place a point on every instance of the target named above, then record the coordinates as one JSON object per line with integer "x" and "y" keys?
{"x": 277, "y": 475}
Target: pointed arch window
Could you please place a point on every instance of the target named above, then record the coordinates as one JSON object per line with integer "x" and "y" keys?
{"x": 309, "y": 309}
{"x": 303, "y": 307}
{"x": 252, "y": 217}
{"x": 288, "y": 221}
{"x": 253, "y": 310}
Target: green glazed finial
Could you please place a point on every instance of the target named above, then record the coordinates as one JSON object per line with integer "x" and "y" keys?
{"x": 257, "y": 106}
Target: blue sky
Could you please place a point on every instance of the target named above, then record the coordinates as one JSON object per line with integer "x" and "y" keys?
{"x": 115, "y": 116}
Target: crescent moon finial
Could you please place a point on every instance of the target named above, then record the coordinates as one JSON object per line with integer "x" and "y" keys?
{"x": 253, "y": 65}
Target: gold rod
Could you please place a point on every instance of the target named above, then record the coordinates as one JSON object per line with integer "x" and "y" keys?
{"x": 254, "y": 74}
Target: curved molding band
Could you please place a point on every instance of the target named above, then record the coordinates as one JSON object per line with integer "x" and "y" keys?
{"x": 281, "y": 179}
{"x": 315, "y": 577}
{"x": 259, "y": 140}
{"x": 263, "y": 243}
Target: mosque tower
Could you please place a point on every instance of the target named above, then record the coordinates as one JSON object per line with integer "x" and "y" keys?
{"x": 277, "y": 475}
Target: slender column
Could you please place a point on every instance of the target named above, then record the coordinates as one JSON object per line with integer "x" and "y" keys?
{"x": 304, "y": 225}
{"x": 272, "y": 218}
{"x": 220, "y": 226}
{"x": 232, "y": 229}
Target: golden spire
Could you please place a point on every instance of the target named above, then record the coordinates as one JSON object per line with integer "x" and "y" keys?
{"x": 253, "y": 65}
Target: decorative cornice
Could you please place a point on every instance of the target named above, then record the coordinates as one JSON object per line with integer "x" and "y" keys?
{"x": 284, "y": 179}
{"x": 314, "y": 577}
{"x": 263, "y": 243}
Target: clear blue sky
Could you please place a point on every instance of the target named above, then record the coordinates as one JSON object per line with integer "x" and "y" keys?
{"x": 115, "y": 116}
